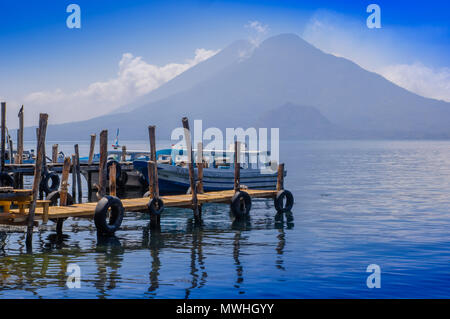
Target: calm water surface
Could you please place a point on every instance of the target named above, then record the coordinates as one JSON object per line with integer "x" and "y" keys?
{"x": 356, "y": 203}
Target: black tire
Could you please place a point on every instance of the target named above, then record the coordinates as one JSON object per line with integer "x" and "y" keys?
{"x": 118, "y": 169}
{"x": 53, "y": 197}
{"x": 143, "y": 181}
{"x": 241, "y": 203}
{"x": 44, "y": 185}
{"x": 280, "y": 205}
{"x": 6, "y": 180}
{"x": 101, "y": 213}
{"x": 122, "y": 181}
{"x": 155, "y": 206}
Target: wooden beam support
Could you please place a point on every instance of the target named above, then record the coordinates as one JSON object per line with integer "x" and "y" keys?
{"x": 112, "y": 180}
{"x": 43, "y": 119}
{"x": 55, "y": 153}
{"x": 78, "y": 173}
{"x": 187, "y": 137}
{"x": 280, "y": 177}
{"x": 200, "y": 166}
{"x": 64, "y": 182}
{"x": 237, "y": 166}
{"x": 102, "y": 165}
{"x": 20, "y": 137}
{"x": 124, "y": 153}
{"x": 91, "y": 149}
{"x": 3, "y": 137}
{"x": 152, "y": 137}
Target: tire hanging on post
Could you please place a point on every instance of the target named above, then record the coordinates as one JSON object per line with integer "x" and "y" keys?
{"x": 49, "y": 177}
{"x": 104, "y": 226}
{"x": 241, "y": 204}
{"x": 280, "y": 205}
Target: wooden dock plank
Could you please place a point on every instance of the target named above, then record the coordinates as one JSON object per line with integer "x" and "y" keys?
{"x": 140, "y": 204}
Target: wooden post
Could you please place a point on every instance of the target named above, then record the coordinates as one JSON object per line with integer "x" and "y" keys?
{"x": 112, "y": 180}
{"x": 43, "y": 118}
{"x": 78, "y": 174}
{"x": 55, "y": 153}
{"x": 64, "y": 182}
{"x": 11, "y": 149}
{"x": 187, "y": 137}
{"x": 102, "y": 165}
{"x": 124, "y": 153}
{"x": 237, "y": 166}
{"x": 3, "y": 137}
{"x": 280, "y": 177}
{"x": 20, "y": 136}
{"x": 91, "y": 149}
{"x": 151, "y": 178}
{"x": 200, "y": 167}
{"x": 152, "y": 137}
{"x": 74, "y": 177}
{"x": 63, "y": 192}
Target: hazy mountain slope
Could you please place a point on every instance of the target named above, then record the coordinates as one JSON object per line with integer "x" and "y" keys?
{"x": 285, "y": 68}
{"x": 192, "y": 76}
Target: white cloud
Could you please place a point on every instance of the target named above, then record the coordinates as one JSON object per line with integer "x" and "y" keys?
{"x": 376, "y": 52}
{"x": 257, "y": 33}
{"x": 134, "y": 78}
{"x": 420, "y": 79}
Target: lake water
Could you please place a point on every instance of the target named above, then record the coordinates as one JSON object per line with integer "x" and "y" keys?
{"x": 356, "y": 203}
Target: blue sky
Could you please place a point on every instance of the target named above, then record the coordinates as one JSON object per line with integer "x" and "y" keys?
{"x": 40, "y": 54}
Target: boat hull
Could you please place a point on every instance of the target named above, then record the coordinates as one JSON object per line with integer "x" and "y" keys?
{"x": 175, "y": 179}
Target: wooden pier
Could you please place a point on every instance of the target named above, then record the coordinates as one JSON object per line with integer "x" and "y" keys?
{"x": 27, "y": 207}
{"x": 45, "y": 213}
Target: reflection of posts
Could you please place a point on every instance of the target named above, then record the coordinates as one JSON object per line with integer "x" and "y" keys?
{"x": 110, "y": 256}
{"x": 196, "y": 258}
{"x": 156, "y": 243}
{"x": 280, "y": 248}
{"x": 237, "y": 262}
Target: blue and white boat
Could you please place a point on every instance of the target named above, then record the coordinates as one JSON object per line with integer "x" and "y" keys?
{"x": 173, "y": 172}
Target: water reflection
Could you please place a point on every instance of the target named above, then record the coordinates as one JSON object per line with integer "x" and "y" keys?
{"x": 108, "y": 259}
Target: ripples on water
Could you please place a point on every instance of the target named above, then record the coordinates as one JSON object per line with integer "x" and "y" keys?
{"x": 357, "y": 203}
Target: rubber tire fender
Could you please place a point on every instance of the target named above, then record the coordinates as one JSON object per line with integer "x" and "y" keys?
{"x": 101, "y": 211}
{"x": 122, "y": 181}
{"x": 53, "y": 197}
{"x": 152, "y": 206}
{"x": 54, "y": 178}
{"x": 236, "y": 207}
{"x": 6, "y": 179}
{"x": 279, "y": 201}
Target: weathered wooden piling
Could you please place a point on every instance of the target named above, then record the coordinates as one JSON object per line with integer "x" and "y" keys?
{"x": 112, "y": 180}
{"x": 91, "y": 149}
{"x": 10, "y": 149}
{"x": 55, "y": 153}
{"x": 237, "y": 166}
{"x": 187, "y": 137}
{"x": 63, "y": 190}
{"x": 19, "y": 176}
{"x": 200, "y": 166}
{"x": 20, "y": 136}
{"x": 74, "y": 177}
{"x": 78, "y": 174}
{"x": 3, "y": 137}
{"x": 124, "y": 153}
{"x": 152, "y": 137}
{"x": 43, "y": 118}
{"x": 102, "y": 165}
{"x": 280, "y": 177}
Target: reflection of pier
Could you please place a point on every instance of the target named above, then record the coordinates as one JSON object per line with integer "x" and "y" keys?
{"x": 17, "y": 272}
